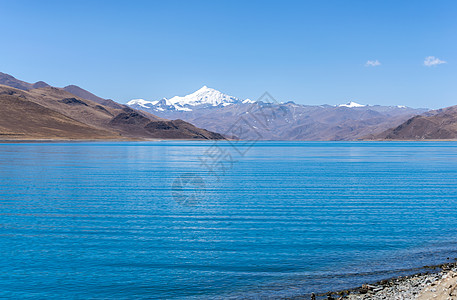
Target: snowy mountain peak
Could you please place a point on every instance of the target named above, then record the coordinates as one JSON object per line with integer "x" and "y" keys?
{"x": 351, "y": 104}
{"x": 204, "y": 96}
{"x": 204, "y": 89}
{"x": 141, "y": 102}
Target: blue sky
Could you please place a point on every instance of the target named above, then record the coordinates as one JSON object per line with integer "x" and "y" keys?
{"x": 311, "y": 52}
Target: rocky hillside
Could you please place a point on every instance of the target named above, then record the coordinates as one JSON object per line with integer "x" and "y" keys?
{"x": 30, "y": 112}
{"x": 435, "y": 125}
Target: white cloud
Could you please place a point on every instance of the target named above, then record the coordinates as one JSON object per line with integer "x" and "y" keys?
{"x": 433, "y": 61}
{"x": 372, "y": 63}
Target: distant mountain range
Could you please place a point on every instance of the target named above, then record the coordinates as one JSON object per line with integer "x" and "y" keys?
{"x": 40, "y": 111}
{"x": 267, "y": 119}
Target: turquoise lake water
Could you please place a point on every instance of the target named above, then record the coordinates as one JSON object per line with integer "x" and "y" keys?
{"x": 205, "y": 220}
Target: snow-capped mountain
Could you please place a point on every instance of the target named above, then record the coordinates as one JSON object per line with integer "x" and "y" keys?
{"x": 203, "y": 98}
{"x": 141, "y": 102}
{"x": 351, "y": 104}
{"x": 218, "y": 112}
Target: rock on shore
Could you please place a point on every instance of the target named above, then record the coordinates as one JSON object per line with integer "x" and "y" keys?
{"x": 441, "y": 285}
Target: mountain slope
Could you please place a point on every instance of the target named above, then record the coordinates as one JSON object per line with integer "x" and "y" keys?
{"x": 82, "y": 93}
{"x": 435, "y": 125}
{"x": 9, "y": 80}
{"x": 23, "y": 119}
{"x": 64, "y": 115}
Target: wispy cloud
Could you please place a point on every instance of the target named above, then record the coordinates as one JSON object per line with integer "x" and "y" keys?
{"x": 431, "y": 61}
{"x": 372, "y": 63}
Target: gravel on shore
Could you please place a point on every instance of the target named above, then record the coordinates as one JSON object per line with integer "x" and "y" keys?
{"x": 438, "y": 284}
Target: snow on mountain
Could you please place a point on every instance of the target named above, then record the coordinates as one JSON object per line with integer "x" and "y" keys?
{"x": 141, "y": 102}
{"x": 351, "y": 105}
{"x": 206, "y": 98}
{"x": 203, "y": 98}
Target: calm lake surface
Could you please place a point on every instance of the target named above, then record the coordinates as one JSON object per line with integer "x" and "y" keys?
{"x": 201, "y": 220}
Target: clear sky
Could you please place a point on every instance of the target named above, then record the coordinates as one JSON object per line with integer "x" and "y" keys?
{"x": 311, "y": 52}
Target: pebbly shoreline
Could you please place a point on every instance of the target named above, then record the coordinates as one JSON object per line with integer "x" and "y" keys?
{"x": 439, "y": 283}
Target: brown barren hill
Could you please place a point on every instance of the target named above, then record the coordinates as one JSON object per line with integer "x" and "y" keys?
{"x": 174, "y": 129}
{"x": 82, "y": 93}
{"x": 26, "y": 120}
{"x": 436, "y": 125}
{"x": 22, "y": 111}
{"x": 101, "y": 118}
